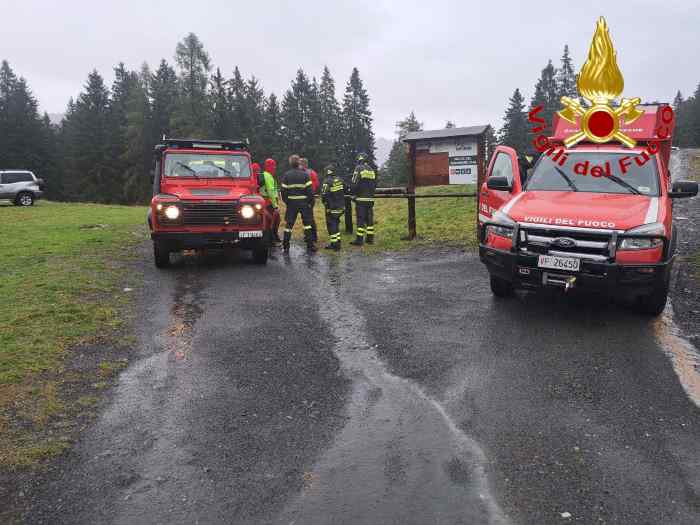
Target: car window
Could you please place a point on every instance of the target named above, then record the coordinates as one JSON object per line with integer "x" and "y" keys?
{"x": 11, "y": 178}
{"x": 503, "y": 167}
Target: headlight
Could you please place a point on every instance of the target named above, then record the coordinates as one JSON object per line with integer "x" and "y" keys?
{"x": 634, "y": 243}
{"x": 501, "y": 231}
{"x": 247, "y": 212}
{"x": 172, "y": 212}
{"x": 645, "y": 237}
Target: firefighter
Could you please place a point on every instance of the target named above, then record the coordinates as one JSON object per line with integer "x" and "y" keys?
{"x": 304, "y": 165}
{"x": 364, "y": 181}
{"x": 268, "y": 189}
{"x": 333, "y": 196}
{"x": 297, "y": 194}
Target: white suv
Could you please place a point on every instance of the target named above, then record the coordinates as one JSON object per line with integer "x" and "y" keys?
{"x": 20, "y": 186}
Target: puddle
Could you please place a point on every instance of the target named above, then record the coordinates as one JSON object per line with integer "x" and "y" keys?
{"x": 684, "y": 356}
{"x": 400, "y": 457}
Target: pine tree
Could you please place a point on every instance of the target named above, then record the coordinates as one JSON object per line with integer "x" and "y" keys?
{"x": 515, "y": 127}
{"x": 236, "y": 96}
{"x": 680, "y": 134}
{"x": 139, "y": 144}
{"x": 190, "y": 117}
{"x": 219, "y": 106}
{"x": 272, "y": 141}
{"x": 356, "y": 124}
{"x": 254, "y": 108}
{"x": 296, "y": 114}
{"x": 22, "y": 132}
{"x": 566, "y": 77}
{"x": 88, "y": 160}
{"x": 125, "y": 83}
{"x": 396, "y": 169}
{"x": 547, "y": 95}
{"x": 163, "y": 92}
{"x": 329, "y": 109}
{"x": 491, "y": 142}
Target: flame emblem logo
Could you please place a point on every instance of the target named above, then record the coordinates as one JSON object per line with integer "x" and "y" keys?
{"x": 600, "y": 82}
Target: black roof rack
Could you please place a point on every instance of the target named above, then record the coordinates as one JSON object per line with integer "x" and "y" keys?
{"x": 228, "y": 145}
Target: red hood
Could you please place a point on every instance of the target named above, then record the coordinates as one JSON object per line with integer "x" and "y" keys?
{"x": 206, "y": 190}
{"x": 579, "y": 209}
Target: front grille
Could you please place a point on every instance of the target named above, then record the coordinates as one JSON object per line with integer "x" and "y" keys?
{"x": 593, "y": 245}
{"x": 220, "y": 213}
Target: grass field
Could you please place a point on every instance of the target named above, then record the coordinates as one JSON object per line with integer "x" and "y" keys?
{"x": 61, "y": 279}
{"x": 443, "y": 221}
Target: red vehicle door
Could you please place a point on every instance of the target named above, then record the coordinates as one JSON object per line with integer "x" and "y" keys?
{"x": 504, "y": 163}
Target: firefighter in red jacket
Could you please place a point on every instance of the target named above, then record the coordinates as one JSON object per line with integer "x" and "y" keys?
{"x": 304, "y": 165}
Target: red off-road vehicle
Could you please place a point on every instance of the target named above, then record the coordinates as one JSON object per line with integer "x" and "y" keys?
{"x": 593, "y": 216}
{"x": 206, "y": 196}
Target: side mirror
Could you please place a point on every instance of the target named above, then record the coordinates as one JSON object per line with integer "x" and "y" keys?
{"x": 499, "y": 183}
{"x": 683, "y": 188}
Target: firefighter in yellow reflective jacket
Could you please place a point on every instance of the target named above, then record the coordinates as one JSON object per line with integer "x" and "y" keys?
{"x": 333, "y": 198}
{"x": 364, "y": 182}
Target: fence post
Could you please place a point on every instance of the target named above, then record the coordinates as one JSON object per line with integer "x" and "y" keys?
{"x": 348, "y": 214}
{"x": 411, "y": 191}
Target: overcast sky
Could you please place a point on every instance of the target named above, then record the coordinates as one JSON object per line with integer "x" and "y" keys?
{"x": 457, "y": 60}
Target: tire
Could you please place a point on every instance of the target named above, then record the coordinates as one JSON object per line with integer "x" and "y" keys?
{"x": 655, "y": 303}
{"x": 161, "y": 255}
{"x": 24, "y": 198}
{"x": 501, "y": 287}
{"x": 261, "y": 253}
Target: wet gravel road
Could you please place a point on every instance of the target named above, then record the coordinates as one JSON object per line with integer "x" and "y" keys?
{"x": 388, "y": 389}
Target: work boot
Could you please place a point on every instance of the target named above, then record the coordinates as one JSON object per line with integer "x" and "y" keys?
{"x": 336, "y": 246}
{"x": 359, "y": 241}
{"x": 329, "y": 246}
{"x": 311, "y": 248}
{"x": 285, "y": 243}
{"x": 370, "y": 239}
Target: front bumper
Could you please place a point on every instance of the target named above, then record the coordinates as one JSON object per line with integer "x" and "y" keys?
{"x": 625, "y": 281}
{"x": 191, "y": 241}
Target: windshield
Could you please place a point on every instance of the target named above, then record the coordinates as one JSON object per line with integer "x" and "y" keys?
{"x": 206, "y": 166}
{"x": 597, "y": 172}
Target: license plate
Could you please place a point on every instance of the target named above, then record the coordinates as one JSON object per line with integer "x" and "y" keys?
{"x": 554, "y": 262}
{"x": 250, "y": 234}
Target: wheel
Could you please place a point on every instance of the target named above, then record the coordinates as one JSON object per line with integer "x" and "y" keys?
{"x": 25, "y": 198}
{"x": 260, "y": 254}
{"x": 161, "y": 255}
{"x": 501, "y": 287}
{"x": 654, "y": 303}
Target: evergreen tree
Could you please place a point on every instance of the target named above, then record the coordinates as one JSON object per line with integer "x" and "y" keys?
{"x": 125, "y": 83}
{"x": 25, "y": 142}
{"x": 491, "y": 142}
{"x": 163, "y": 92}
{"x": 329, "y": 109}
{"x": 190, "y": 117}
{"x": 89, "y": 166}
{"x": 139, "y": 144}
{"x": 547, "y": 95}
{"x": 356, "y": 124}
{"x": 396, "y": 169}
{"x": 296, "y": 114}
{"x": 219, "y": 106}
{"x": 237, "y": 95}
{"x": 254, "y": 108}
{"x": 514, "y": 132}
{"x": 272, "y": 142}
{"x": 680, "y": 134}
{"x": 566, "y": 77}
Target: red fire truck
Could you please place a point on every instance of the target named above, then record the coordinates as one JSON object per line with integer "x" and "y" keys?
{"x": 206, "y": 196}
{"x": 593, "y": 216}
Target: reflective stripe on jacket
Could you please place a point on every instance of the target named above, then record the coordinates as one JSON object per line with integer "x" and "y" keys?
{"x": 296, "y": 186}
{"x": 364, "y": 182}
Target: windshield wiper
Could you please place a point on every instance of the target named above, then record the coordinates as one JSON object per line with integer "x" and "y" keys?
{"x": 567, "y": 179}
{"x": 188, "y": 169}
{"x": 624, "y": 184}
{"x": 227, "y": 172}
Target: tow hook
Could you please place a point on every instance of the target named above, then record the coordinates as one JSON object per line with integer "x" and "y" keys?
{"x": 570, "y": 283}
